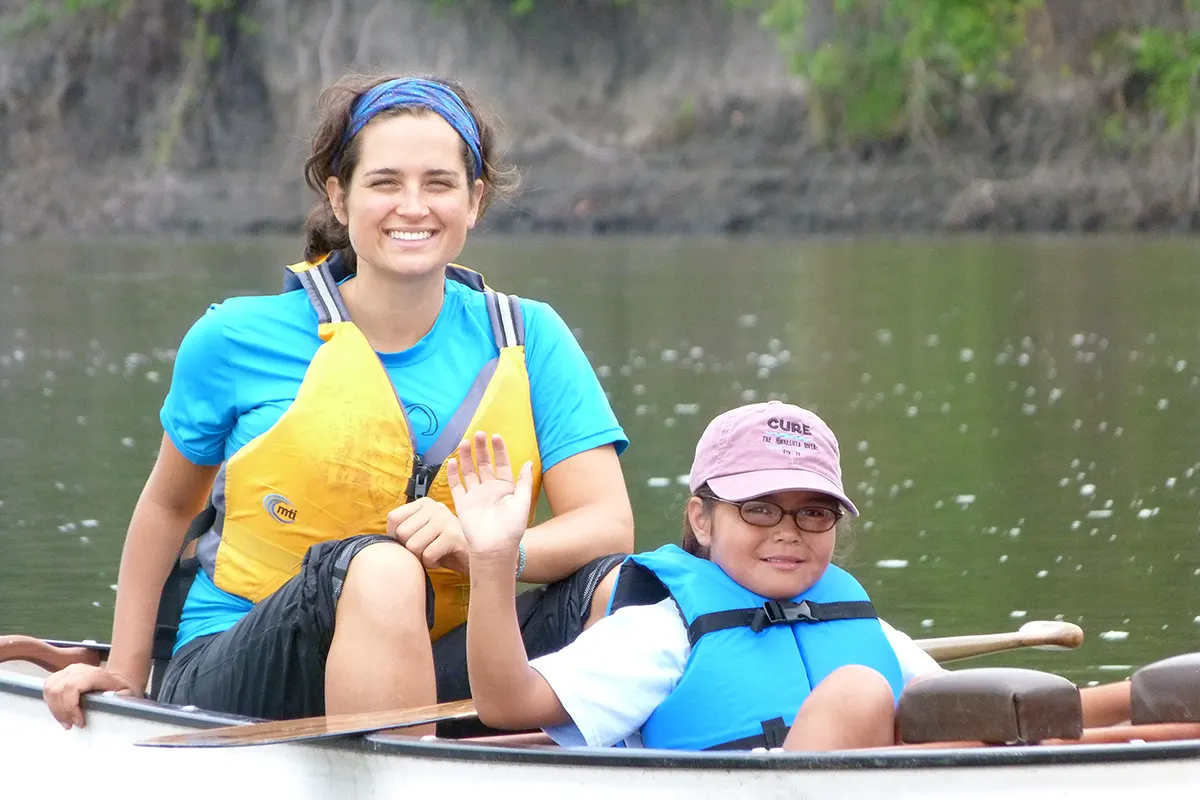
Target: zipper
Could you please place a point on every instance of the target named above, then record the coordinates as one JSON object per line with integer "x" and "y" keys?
{"x": 422, "y": 477}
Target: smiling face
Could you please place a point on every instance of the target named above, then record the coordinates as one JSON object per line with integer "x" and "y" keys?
{"x": 409, "y": 203}
{"x": 777, "y": 562}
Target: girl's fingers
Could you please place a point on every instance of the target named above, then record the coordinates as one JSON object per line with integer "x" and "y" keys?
{"x": 483, "y": 459}
{"x": 466, "y": 466}
{"x": 503, "y": 465}
{"x": 452, "y": 477}
{"x": 523, "y": 490}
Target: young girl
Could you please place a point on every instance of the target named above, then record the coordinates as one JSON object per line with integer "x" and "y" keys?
{"x": 747, "y": 637}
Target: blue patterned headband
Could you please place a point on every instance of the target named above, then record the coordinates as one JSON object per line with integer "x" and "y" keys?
{"x": 415, "y": 92}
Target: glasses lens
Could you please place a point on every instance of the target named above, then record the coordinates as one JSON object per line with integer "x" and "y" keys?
{"x": 762, "y": 514}
{"x": 815, "y": 519}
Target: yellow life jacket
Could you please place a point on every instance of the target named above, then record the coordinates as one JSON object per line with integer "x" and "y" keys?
{"x": 341, "y": 457}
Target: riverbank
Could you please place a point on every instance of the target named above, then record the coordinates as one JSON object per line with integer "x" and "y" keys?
{"x": 679, "y": 117}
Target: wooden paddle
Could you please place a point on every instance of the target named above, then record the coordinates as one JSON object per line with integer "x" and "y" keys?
{"x": 296, "y": 730}
{"x": 1060, "y": 635}
{"x": 1045, "y": 635}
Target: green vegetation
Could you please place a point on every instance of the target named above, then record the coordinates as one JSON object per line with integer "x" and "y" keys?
{"x": 1171, "y": 61}
{"x": 886, "y": 68}
{"x": 39, "y": 14}
{"x": 201, "y": 48}
{"x": 877, "y": 69}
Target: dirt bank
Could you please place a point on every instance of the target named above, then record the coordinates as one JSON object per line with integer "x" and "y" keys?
{"x": 676, "y": 116}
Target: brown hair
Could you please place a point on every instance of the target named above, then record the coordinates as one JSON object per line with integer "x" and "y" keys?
{"x": 322, "y": 232}
{"x": 691, "y": 545}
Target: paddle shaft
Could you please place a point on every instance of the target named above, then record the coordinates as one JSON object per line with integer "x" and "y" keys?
{"x": 1033, "y": 634}
{"x": 296, "y": 730}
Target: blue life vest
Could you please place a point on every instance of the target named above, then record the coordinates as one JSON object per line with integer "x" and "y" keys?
{"x": 753, "y": 661}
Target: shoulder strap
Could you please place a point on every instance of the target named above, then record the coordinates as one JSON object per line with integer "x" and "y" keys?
{"x": 466, "y": 276}
{"x": 508, "y": 327}
{"x": 337, "y": 268}
{"x": 778, "y": 612}
{"x": 321, "y": 286}
{"x": 508, "y": 323}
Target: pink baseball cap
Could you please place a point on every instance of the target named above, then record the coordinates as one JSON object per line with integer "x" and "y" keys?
{"x": 768, "y": 447}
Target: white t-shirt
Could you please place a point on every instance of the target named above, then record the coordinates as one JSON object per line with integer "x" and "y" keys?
{"x": 612, "y": 678}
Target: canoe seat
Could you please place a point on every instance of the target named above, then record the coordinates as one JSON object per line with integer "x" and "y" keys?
{"x": 1166, "y": 691}
{"x": 994, "y": 705}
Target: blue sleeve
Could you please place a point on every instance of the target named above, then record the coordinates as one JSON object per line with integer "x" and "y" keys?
{"x": 200, "y": 409}
{"x": 570, "y": 411}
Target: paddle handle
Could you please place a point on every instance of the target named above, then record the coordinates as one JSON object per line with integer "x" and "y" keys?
{"x": 1050, "y": 635}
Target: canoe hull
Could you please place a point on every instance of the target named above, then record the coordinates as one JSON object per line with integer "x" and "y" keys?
{"x": 103, "y": 758}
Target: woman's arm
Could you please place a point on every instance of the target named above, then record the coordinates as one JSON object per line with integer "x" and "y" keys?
{"x": 592, "y": 516}
{"x": 174, "y": 493}
{"x": 1105, "y": 705}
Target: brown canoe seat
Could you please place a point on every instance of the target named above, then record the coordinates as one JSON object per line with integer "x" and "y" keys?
{"x": 994, "y": 705}
{"x": 1166, "y": 691}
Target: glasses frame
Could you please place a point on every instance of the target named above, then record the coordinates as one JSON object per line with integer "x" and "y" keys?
{"x": 795, "y": 515}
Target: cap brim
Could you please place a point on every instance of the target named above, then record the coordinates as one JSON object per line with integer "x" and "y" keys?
{"x": 768, "y": 481}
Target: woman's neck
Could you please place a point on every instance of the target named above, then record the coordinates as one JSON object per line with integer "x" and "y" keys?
{"x": 392, "y": 313}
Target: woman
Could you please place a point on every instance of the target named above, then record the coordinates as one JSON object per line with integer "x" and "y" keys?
{"x": 747, "y": 637}
{"x": 304, "y": 418}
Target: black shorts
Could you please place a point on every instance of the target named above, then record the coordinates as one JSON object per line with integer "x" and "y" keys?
{"x": 271, "y": 664}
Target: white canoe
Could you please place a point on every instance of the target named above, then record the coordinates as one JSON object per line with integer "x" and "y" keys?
{"x": 102, "y": 761}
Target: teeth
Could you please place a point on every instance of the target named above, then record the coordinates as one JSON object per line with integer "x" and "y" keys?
{"x": 408, "y": 236}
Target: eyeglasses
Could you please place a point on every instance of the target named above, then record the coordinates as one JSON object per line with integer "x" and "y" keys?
{"x": 811, "y": 519}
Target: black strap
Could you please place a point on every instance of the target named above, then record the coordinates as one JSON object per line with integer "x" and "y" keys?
{"x": 778, "y": 612}
{"x": 174, "y": 593}
{"x": 774, "y": 734}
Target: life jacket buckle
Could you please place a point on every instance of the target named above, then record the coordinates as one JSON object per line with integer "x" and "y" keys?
{"x": 776, "y": 612}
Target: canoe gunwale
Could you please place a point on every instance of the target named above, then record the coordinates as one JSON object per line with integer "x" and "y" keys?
{"x": 453, "y": 750}
{"x": 132, "y": 707}
{"x": 1015, "y": 756}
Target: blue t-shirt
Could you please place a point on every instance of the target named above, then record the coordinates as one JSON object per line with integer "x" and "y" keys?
{"x": 241, "y": 364}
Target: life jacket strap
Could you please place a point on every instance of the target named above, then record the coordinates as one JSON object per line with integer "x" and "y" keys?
{"x": 508, "y": 324}
{"x": 174, "y": 593}
{"x": 774, "y": 734}
{"x": 321, "y": 286}
{"x": 778, "y": 612}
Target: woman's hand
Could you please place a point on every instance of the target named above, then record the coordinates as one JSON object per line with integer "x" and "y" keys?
{"x": 431, "y": 532}
{"x": 492, "y": 510}
{"x": 63, "y": 690}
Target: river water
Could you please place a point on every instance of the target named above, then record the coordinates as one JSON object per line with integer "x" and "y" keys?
{"x": 1018, "y": 417}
